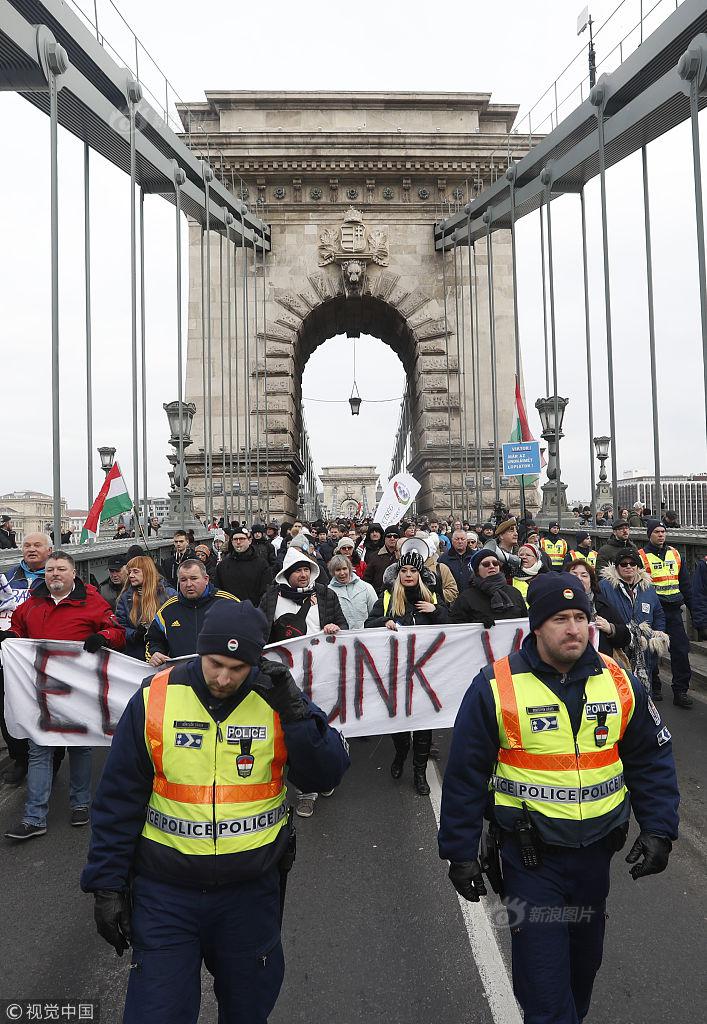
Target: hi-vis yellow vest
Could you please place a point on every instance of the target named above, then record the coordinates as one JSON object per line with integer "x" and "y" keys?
{"x": 539, "y": 761}
{"x": 587, "y": 556}
{"x": 556, "y": 550}
{"x": 521, "y": 585}
{"x": 664, "y": 573}
{"x": 218, "y": 788}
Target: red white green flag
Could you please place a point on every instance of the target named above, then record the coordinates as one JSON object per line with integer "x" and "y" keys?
{"x": 522, "y": 432}
{"x": 113, "y": 498}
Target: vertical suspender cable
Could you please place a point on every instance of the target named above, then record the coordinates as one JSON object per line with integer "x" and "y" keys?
{"x": 227, "y": 515}
{"x": 237, "y": 388}
{"x": 546, "y": 178}
{"x": 265, "y": 397}
{"x": 462, "y": 404}
{"x": 683, "y": 71}
{"x": 246, "y": 368}
{"x": 208, "y": 178}
{"x": 179, "y": 179}
{"x": 597, "y": 97}
{"x": 256, "y": 364}
{"x": 203, "y": 354}
{"x": 143, "y": 364}
{"x": 54, "y": 242}
{"x": 477, "y": 393}
{"x": 446, "y": 355}
{"x": 87, "y": 285}
{"x": 492, "y": 335}
{"x": 223, "y": 378}
{"x": 134, "y": 95}
{"x": 542, "y": 274}
{"x": 588, "y": 341}
{"x": 472, "y": 354}
{"x": 511, "y": 176}
{"x": 651, "y": 334}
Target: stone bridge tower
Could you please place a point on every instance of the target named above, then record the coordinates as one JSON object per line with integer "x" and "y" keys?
{"x": 351, "y": 184}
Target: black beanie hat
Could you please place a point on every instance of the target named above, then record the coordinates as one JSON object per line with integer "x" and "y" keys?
{"x": 392, "y": 531}
{"x": 581, "y": 537}
{"x": 234, "y": 629}
{"x": 554, "y": 592}
{"x": 651, "y": 525}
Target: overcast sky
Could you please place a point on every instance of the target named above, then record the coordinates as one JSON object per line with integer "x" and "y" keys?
{"x": 395, "y": 46}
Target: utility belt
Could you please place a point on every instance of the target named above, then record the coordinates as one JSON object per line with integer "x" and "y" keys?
{"x": 525, "y": 835}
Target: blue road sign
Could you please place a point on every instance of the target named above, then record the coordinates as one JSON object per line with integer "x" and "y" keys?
{"x": 521, "y": 457}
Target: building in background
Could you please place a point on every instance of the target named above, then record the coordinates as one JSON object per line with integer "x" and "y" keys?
{"x": 349, "y": 491}
{"x": 687, "y": 495}
{"x": 76, "y": 517}
{"x": 32, "y": 512}
{"x": 155, "y": 507}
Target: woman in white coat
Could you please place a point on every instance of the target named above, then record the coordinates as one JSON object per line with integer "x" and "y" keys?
{"x": 356, "y": 597}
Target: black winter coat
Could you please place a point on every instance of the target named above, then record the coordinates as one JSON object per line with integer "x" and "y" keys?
{"x": 7, "y": 539}
{"x": 411, "y": 618}
{"x": 266, "y": 551}
{"x": 473, "y": 605}
{"x": 327, "y": 604}
{"x": 170, "y": 567}
{"x": 376, "y": 566}
{"x": 622, "y": 637}
{"x": 247, "y": 576}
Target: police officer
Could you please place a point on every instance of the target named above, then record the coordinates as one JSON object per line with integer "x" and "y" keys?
{"x": 583, "y": 550}
{"x": 672, "y": 584}
{"x": 555, "y": 745}
{"x": 192, "y": 806}
{"x": 555, "y": 547}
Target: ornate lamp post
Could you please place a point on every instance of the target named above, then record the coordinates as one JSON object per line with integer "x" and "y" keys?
{"x": 107, "y": 455}
{"x": 181, "y": 499}
{"x": 552, "y": 411}
{"x": 603, "y": 492}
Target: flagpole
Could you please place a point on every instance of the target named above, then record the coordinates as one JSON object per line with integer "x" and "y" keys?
{"x": 136, "y": 514}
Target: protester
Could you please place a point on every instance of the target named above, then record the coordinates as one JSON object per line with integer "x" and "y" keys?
{"x": 242, "y": 572}
{"x": 181, "y": 550}
{"x": 177, "y": 623}
{"x": 409, "y": 603}
{"x": 218, "y": 543}
{"x": 628, "y": 589}
{"x": 635, "y": 519}
{"x": 207, "y": 558}
{"x": 356, "y": 597}
{"x": 144, "y": 591}
{"x": 296, "y": 605}
{"x": 7, "y": 533}
{"x": 121, "y": 532}
{"x": 472, "y": 540}
{"x": 386, "y": 556}
{"x": 488, "y": 598}
{"x": 215, "y": 894}
{"x": 672, "y": 583}
{"x": 61, "y": 607}
{"x": 371, "y": 543}
{"x": 262, "y": 546}
{"x": 117, "y": 575}
{"x": 670, "y": 520}
{"x": 613, "y": 633}
{"x": 36, "y": 548}
{"x": 531, "y": 564}
{"x": 458, "y": 558}
{"x": 616, "y": 545}
{"x": 505, "y": 546}
{"x": 346, "y": 547}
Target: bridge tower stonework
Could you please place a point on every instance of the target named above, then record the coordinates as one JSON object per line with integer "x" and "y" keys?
{"x": 351, "y": 185}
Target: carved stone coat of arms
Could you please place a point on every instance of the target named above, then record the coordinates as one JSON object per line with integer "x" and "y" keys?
{"x": 353, "y": 246}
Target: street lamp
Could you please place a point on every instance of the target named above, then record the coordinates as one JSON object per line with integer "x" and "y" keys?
{"x": 601, "y": 447}
{"x": 355, "y": 401}
{"x": 552, "y": 411}
{"x": 180, "y": 515}
{"x": 107, "y": 455}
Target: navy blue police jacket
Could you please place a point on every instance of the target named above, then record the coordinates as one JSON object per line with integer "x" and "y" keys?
{"x": 645, "y": 750}
{"x": 317, "y": 758}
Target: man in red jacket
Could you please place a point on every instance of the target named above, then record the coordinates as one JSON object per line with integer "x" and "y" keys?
{"x": 61, "y": 608}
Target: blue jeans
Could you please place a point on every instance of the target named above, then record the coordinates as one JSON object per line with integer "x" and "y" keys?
{"x": 40, "y": 776}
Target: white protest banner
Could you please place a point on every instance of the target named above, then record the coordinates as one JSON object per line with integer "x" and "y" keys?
{"x": 369, "y": 682}
{"x": 397, "y": 498}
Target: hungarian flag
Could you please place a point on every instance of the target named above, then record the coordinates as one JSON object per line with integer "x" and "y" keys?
{"x": 522, "y": 432}
{"x": 113, "y": 498}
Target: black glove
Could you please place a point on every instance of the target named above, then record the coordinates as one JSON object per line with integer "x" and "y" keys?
{"x": 140, "y": 634}
{"x": 278, "y": 689}
{"x": 94, "y": 642}
{"x": 112, "y": 916}
{"x": 655, "y": 850}
{"x": 5, "y": 633}
{"x": 468, "y": 880}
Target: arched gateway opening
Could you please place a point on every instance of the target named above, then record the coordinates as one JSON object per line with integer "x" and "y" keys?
{"x": 351, "y": 209}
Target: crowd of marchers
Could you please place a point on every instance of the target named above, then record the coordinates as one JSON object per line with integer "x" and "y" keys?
{"x": 346, "y": 574}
